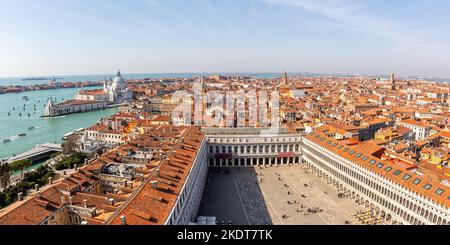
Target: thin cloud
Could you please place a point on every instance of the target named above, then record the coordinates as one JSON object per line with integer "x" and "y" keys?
{"x": 347, "y": 14}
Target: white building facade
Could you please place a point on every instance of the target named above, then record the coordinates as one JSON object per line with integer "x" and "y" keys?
{"x": 187, "y": 205}
{"x": 391, "y": 200}
{"x": 420, "y": 130}
{"x": 254, "y": 150}
{"x": 72, "y": 106}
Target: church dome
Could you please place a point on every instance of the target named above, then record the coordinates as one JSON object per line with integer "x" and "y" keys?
{"x": 119, "y": 79}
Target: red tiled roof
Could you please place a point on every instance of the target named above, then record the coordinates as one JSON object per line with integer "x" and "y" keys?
{"x": 151, "y": 206}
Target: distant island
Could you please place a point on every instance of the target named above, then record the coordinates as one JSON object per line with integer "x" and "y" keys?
{"x": 40, "y": 78}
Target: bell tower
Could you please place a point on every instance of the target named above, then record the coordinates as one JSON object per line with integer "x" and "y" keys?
{"x": 394, "y": 86}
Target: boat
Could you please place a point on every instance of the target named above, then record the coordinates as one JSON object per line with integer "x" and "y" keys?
{"x": 22, "y": 135}
{"x": 6, "y": 140}
{"x": 32, "y": 128}
{"x": 25, "y": 98}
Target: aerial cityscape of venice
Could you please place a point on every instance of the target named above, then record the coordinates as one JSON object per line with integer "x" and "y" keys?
{"x": 219, "y": 113}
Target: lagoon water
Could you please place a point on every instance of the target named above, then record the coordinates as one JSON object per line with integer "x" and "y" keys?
{"x": 47, "y": 129}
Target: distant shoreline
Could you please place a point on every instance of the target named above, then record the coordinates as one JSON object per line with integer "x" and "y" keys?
{"x": 16, "y": 81}
{"x": 40, "y": 87}
{"x": 40, "y": 78}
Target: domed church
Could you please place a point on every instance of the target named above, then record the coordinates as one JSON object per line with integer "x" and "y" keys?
{"x": 117, "y": 89}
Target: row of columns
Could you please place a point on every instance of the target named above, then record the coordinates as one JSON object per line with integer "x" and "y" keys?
{"x": 378, "y": 212}
{"x": 255, "y": 149}
{"x": 253, "y": 161}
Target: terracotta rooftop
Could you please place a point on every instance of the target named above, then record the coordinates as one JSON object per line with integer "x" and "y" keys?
{"x": 92, "y": 92}
{"x": 150, "y": 206}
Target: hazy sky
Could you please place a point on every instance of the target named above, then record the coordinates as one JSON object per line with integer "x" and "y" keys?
{"x": 61, "y": 37}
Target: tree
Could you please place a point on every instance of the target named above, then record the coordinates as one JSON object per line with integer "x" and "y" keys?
{"x": 70, "y": 145}
{"x": 4, "y": 175}
{"x": 70, "y": 162}
{"x": 21, "y": 165}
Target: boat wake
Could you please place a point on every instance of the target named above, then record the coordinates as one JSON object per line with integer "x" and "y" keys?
{"x": 14, "y": 138}
{"x": 10, "y": 139}
{"x": 58, "y": 117}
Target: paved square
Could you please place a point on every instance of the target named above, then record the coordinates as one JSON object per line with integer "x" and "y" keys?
{"x": 284, "y": 197}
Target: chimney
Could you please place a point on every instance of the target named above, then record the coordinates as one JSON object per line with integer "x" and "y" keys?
{"x": 157, "y": 172}
{"x": 154, "y": 184}
{"x": 86, "y": 161}
{"x": 111, "y": 201}
{"x": 50, "y": 180}
{"x": 20, "y": 196}
{"x": 70, "y": 200}
{"x": 75, "y": 166}
{"x": 36, "y": 186}
{"x": 123, "y": 220}
{"x": 85, "y": 203}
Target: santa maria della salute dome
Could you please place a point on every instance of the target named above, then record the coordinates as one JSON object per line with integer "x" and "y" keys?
{"x": 119, "y": 83}
{"x": 117, "y": 89}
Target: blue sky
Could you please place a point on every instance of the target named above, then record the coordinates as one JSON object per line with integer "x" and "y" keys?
{"x": 60, "y": 37}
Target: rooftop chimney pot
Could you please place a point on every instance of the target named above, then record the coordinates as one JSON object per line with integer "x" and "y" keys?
{"x": 111, "y": 201}
{"x": 154, "y": 184}
{"x": 123, "y": 220}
